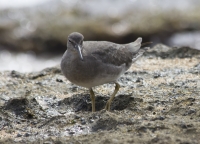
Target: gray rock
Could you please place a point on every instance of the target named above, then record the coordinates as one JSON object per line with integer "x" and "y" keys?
{"x": 35, "y": 107}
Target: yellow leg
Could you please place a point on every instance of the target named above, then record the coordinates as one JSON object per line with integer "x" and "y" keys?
{"x": 117, "y": 86}
{"x": 92, "y": 96}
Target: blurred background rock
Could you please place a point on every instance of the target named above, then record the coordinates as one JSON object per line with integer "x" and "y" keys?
{"x": 33, "y": 34}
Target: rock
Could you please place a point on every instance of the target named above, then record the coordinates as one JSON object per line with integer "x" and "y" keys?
{"x": 164, "y": 51}
{"x": 36, "y": 107}
{"x": 107, "y": 121}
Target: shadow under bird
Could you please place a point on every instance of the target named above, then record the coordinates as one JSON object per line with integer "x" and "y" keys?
{"x": 93, "y": 63}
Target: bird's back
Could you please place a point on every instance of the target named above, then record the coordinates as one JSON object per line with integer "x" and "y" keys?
{"x": 112, "y": 53}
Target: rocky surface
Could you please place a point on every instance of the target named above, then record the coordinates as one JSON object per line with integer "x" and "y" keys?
{"x": 45, "y": 27}
{"x": 158, "y": 102}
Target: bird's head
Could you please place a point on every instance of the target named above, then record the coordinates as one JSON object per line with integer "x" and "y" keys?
{"x": 75, "y": 43}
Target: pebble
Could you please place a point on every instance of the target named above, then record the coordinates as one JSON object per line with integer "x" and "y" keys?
{"x": 71, "y": 132}
{"x": 19, "y": 135}
{"x": 91, "y": 120}
{"x": 27, "y": 134}
{"x": 59, "y": 80}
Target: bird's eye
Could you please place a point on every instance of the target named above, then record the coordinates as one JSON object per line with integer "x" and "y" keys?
{"x": 70, "y": 41}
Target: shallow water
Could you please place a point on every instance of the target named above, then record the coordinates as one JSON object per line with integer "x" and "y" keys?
{"x": 106, "y": 4}
{"x": 27, "y": 62}
{"x": 188, "y": 39}
{"x": 20, "y": 3}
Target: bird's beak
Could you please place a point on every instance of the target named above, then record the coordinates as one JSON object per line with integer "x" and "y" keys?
{"x": 80, "y": 52}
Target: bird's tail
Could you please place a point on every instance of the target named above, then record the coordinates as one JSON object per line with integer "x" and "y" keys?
{"x": 136, "y": 49}
{"x": 134, "y": 46}
{"x": 141, "y": 51}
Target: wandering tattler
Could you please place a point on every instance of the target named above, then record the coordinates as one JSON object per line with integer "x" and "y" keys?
{"x": 93, "y": 63}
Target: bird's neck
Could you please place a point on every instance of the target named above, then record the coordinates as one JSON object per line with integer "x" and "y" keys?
{"x": 73, "y": 55}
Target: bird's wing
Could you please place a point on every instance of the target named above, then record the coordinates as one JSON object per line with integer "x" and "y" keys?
{"x": 108, "y": 52}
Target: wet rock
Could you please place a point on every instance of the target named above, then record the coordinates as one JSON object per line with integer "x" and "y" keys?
{"x": 77, "y": 102}
{"x": 107, "y": 121}
{"x": 18, "y": 106}
{"x": 35, "y": 107}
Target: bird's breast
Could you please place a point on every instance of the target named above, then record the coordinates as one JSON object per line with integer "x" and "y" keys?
{"x": 78, "y": 71}
{"x": 90, "y": 72}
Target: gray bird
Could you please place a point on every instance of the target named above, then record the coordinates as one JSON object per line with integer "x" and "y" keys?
{"x": 93, "y": 63}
